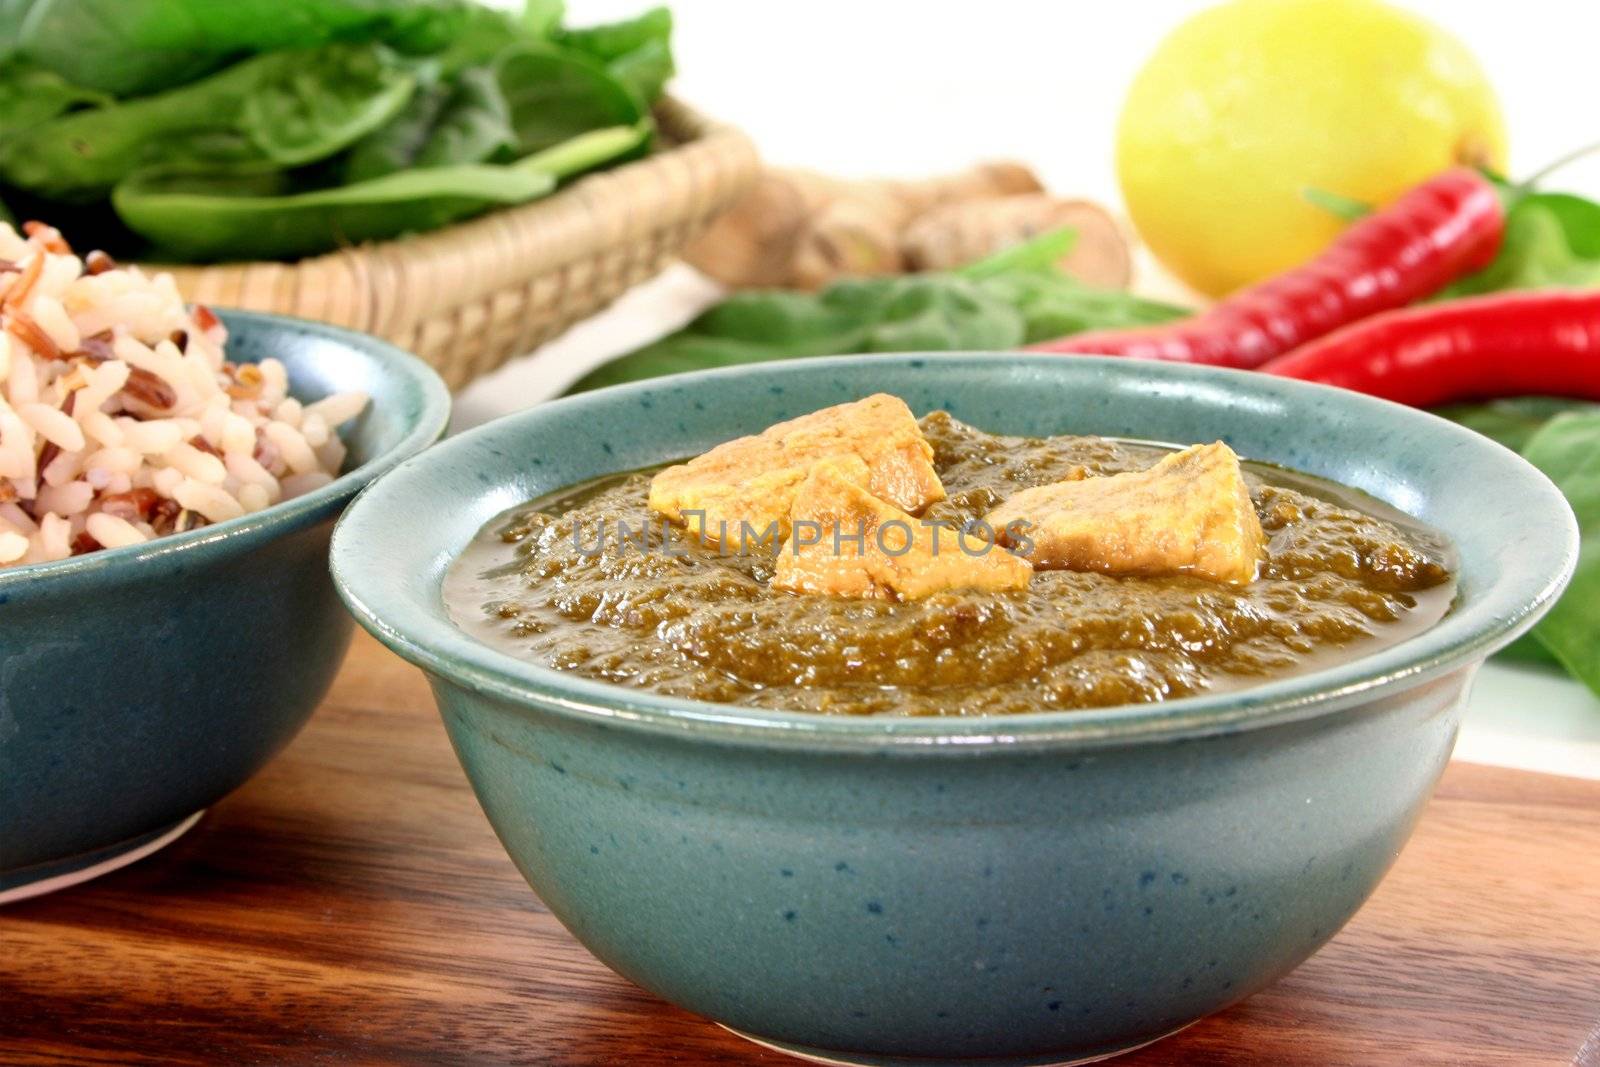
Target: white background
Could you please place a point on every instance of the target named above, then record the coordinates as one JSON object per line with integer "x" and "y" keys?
{"x": 901, "y": 88}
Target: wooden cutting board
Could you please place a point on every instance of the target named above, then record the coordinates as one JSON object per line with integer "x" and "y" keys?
{"x": 352, "y": 906}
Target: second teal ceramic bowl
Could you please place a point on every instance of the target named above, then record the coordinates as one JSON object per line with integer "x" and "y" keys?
{"x": 139, "y": 685}
{"x": 1029, "y": 889}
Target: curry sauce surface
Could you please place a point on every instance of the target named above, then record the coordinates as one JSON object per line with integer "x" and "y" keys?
{"x": 1342, "y": 576}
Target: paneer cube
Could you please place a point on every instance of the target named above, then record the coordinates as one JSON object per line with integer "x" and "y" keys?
{"x": 1189, "y": 514}
{"x": 753, "y": 480}
{"x": 847, "y": 542}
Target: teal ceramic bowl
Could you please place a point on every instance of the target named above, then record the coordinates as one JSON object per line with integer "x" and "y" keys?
{"x": 1027, "y": 889}
{"x": 139, "y": 685}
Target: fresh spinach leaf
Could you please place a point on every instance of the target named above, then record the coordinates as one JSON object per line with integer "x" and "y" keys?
{"x": 916, "y": 312}
{"x": 999, "y": 302}
{"x": 1343, "y": 208}
{"x": 555, "y": 95}
{"x": 942, "y": 313}
{"x": 541, "y": 18}
{"x": 264, "y": 216}
{"x": 396, "y": 145}
{"x": 1038, "y": 253}
{"x": 1552, "y": 240}
{"x": 464, "y": 121}
{"x": 1053, "y": 304}
{"x": 638, "y": 51}
{"x": 613, "y": 40}
{"x": 1512, "y": 421}
{"x": 136, "y": 47}
{"x": 319, "y": 101}
{"x": 270, "y": 216}
{"x": 12, "y": 15}
{"x": 1567, "y": 449}
{"x": 280, "y": 109}
{"x": 475, "y": 124}
{"x": 646, "y": 70}
{"x": 589, "y": 150}
{"x": 1521, "y": 424}
{"x": 484, "y": 34}
{"x": 29, "y": 95}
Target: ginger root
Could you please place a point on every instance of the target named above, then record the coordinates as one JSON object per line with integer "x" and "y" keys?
{"x": 949, "y": 236}
{"x": 801, "y": 229}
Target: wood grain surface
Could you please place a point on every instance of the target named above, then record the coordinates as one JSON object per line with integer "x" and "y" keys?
{"x": 352, "y": 906}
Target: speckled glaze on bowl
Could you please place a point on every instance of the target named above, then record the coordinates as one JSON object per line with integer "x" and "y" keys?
{"x": 140, "y": 685}
{"x": 1028, "y": 889}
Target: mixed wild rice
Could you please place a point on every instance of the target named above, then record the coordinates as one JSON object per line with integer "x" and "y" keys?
{"x": 120, "y": 418}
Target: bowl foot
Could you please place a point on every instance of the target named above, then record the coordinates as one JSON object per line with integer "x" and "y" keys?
{"x": 860, "y": 1059}
{"x": 48, "y": 877}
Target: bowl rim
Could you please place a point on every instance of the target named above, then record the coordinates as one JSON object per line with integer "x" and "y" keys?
{"x": 286, "y": 515}
{"x": 425, "y": 636}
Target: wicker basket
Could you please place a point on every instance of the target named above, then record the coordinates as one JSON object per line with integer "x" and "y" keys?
{"x": 470, "y": 297}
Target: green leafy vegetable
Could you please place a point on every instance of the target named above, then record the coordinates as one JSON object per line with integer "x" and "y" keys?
{"x": 1039, "y": 253}
{"x": 637, "y": 51}
{"x": 1552, "y": 240}
{"x": 866, "y": 315}
{"x": 267, "y": 216}
{"x": 1562, "y": 438}
{"x": 135, "y": 47}
{"x": 645, "y": 71}
{"x": 1512, "y": 421}
{"x": 589, "y": 150}
{"x": 281, "y": 109}
{"x": 1568, "y": 450}
{"x": 268, "y": 118}
{"x": 1053, "y": 305}
{"x": 1001, "y": 302}
{"x": 30, "y": 95}
{"x": 318, "y": 102}
{"x": 555, "y": 95}
{"x": 484, "y": 33}
{"x": 1344, "y": 208}
{"x": 465, "y": 121}
{"x": 261, "y": 216}
{"x": 541, "y": 18}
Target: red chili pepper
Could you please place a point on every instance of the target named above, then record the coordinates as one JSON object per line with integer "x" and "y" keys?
{"x": 1448, "y": 226}
{"x": 1505, "y": 344}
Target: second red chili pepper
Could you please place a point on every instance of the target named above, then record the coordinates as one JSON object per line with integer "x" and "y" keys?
{"x": 1506, "y": 344}
{"x": 1448, "y": 226}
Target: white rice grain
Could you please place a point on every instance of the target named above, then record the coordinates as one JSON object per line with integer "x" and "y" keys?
{"x": 301, "y": 484}
{"x": 338, "y": 409}
{"x": 153, "y": 436}
{"x": 54, "y": 425}
{"x": 52, "y": 318}
{"x": 113, "y": 460}
{"x": 16, "y": 446}
{"x": 201, "y": 466}
{"x": 289, "y": 441}
{"x": 209, "y": 500}
{"x": 114, "y": 532}
{"x": 73, "y": 498}
{"x": 253, "y": 498}
{"x": 22, "y": 384}
{"x": 238, "y": 435}
{"x": 54, "y": 539}
{"x": 165, "y": 480}
{"x": 179, "y": 420}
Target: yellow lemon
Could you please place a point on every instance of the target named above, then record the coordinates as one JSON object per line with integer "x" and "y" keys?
{"x": 1248, "y": 105}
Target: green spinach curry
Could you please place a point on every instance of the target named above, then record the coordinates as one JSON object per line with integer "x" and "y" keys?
{"x": 1339, "y": 575}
